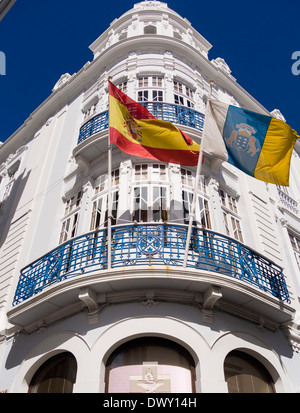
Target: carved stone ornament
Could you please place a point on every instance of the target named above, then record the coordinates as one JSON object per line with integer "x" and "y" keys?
{"x": 125, "y": 167}
{"x": 277, "y": 114}
{"x": 221, "y": 64}
{"x": 62, "y": 80}
{"x": 174, "y": 168}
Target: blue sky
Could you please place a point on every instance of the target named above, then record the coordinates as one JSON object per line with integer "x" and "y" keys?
{"x": 43, "y": 39}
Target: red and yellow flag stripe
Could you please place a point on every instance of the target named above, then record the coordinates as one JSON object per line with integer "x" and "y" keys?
{"x": 137, "y": 132}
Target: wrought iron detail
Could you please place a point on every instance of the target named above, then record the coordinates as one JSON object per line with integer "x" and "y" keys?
{"x": 152, "y": 244}
{"x": 165, "y": 111}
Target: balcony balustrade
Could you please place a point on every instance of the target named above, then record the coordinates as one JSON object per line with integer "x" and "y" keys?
{"x": 151, "y": 244}
{"x": 165, "y": 111}
{"x": 288, "y": 202}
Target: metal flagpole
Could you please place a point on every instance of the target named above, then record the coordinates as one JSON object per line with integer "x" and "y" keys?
{"x": 109, "y": 199}
{"x": 109, "y": 207}
{"x": 197, "y": 177}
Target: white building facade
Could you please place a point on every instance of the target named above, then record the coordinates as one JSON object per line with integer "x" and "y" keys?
{"x": 69, "y": 321}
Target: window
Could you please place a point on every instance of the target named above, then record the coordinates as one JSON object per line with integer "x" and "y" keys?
{"x": 178, "y": 87}
{"x": 100, "y": 207}
{"x": 230, "y": 216}
{"x": 245, "y": 374}
{"x": 151, "y": 94}
{"x": 71, "y": 217}
{"x": 73, "y": 202}
{"x": 157, "y": 95}
{"x": 56, "y": 375}
{"x": 295, "y": 241}
{"x": 150, "y": 172}
{"x": 150, "y": 364}
{"x": 151, "y": 201}
{"x": 157, "y": 81}
{"x": 143, "y": 82}
{"x": 178, "y": 100}
{"x": 150, "y": 204}
{"x": 143, "y": 96}
{"x": 123, "y": 86}
{"x": 183, "y": 95}
{"x": 202, "y": 210}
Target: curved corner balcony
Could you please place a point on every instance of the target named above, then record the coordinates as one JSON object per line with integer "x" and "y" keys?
{"x": 165, "y": 111}
{"x": 149, "y": 257}
{"x": 152, "y": 244}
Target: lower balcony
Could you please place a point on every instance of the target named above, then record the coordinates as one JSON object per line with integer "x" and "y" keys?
{"x": 149, "y": 257}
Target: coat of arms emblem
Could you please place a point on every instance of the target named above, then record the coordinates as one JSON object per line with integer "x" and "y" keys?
{"x": 242, "y": 139}
{"x": 132, "y": 129}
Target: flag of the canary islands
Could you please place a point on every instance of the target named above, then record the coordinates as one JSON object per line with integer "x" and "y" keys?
{"x": 137, "y": 132}
{"x": 259, "y": 145}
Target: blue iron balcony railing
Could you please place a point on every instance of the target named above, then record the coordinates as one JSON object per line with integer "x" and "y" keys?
{"x": 151, "y": 244}
{"x": 166, "y": 111}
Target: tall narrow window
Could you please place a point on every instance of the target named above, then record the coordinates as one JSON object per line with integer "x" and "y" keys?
{"x": 202, "y": 205}
{"x": 245, "y": 374}
{"x": 140, "y": 204}
{"x": 231, "y": 218}
{"x": 151, "y": 200}
{"x": 295, "y": 241}
{"x": 71, "y": 218}
{"x": 56, "y": 375}
{"x": 183, "y": 95}
{"x": 100, "y": 207}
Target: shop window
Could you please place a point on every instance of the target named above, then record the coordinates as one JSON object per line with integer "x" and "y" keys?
{"x": 245, "y": 374}
{"x": 150, "y": 365}
{"x": 56, "y": 375}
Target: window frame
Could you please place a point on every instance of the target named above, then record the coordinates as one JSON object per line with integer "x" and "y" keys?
{"x": 150, "y": 88}
{"x": 98, "y": 216}
{"x": 69, "y": 223}
{"x": 230, "y": 215}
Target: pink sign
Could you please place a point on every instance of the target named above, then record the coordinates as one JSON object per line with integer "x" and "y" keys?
{"x": 150, "y": 378}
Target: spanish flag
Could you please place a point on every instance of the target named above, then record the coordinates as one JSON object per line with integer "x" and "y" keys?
{"x": 259, "y": 145}
{"x": 137, "y": 132}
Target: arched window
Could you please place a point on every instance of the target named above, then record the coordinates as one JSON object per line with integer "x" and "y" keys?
{"x": 56, "y": 375}
{"x": 150, "y": 365}
{"x": 149, "y": 29}
{"x": 245, "y": 374}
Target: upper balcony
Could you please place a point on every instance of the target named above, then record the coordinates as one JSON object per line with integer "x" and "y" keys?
{"x": 177, "y": 114}
{"x": 149, "y": 257}
{"x": 92, "y": 138}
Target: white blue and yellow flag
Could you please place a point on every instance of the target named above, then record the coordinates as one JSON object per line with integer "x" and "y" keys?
{"x": 259, "y": 145}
